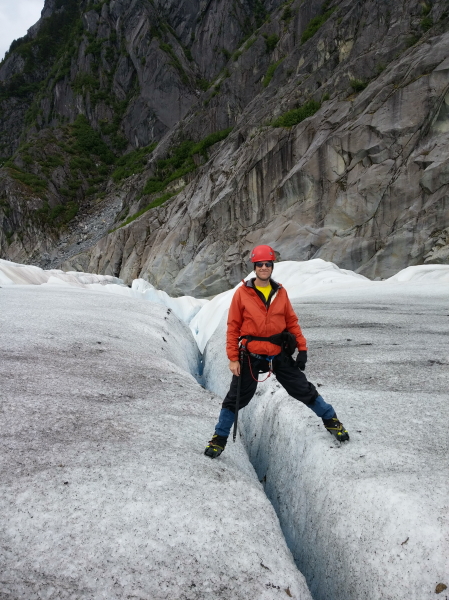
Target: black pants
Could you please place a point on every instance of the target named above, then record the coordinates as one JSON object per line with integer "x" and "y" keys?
{"x": 287, "y": 373}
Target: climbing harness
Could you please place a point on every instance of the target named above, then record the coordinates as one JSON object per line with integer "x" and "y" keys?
{"x": 270, "y": 365}
{"x": 285, "y": 340}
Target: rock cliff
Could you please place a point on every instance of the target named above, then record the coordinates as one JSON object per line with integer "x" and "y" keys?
{"x": 163, "y": 140}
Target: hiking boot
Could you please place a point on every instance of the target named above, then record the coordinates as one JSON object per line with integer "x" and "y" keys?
{"x": 336, "y": 429}
{"x": 216, "y": 446}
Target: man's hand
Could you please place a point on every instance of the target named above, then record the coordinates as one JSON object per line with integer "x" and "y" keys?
{"x": 301, "y": 359}
{"x": 234, "y": 365}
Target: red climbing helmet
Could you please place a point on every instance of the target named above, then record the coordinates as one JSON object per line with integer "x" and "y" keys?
{"x": 262, "y": 253}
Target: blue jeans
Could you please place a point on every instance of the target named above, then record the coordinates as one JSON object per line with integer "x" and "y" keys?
{"x": 226, "y": 419}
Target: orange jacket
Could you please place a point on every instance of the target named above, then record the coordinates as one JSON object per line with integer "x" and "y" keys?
{"x": 249, "y": 315}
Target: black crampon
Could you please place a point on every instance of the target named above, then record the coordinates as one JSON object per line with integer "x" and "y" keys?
{"x": 216, "y": 446}
{"x": 336, "y": 428}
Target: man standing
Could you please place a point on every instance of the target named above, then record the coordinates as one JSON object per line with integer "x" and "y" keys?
{"x": 259, "y": 315}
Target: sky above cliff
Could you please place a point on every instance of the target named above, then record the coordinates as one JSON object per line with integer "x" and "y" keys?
{"x": 15, "y": 19}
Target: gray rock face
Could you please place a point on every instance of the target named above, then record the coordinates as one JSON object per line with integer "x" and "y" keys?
{"x": 439, "y": 254}
{"x": 362, "y": 182}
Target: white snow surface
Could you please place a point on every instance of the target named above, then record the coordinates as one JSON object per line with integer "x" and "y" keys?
{"x": 105, "y": 489}
{"x": 368, "y": 519}
{"x": 17, "y": 274}
{"x": 315, "y": 276}
{"x": 185, "y": 307}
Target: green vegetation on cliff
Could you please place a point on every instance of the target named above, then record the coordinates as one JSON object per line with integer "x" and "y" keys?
{"x": 180, "y": 161}
{"x": 295, "y": 116}
{"x": 156, "y": 202}
{"x": 174, "y": 61}
{"x": 73, "y": 166}
{"x": 132, "y": 163}
{"x": 88, "y": 141}
{"x": 271, "y": 42}
{"x": 35, "y": 183}
{"x": 317, "y": 22}
{"x": 270, "y": 72}
{"x": 358, "y": 85}
{"x": 59, "y": 215}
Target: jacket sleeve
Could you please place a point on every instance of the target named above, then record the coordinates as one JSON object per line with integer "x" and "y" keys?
{"x": 293, "y": 326}
{"x": 235, "y": 320}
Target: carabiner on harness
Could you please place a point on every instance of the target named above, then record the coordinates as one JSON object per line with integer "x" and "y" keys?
{"x": 260, "y": 357}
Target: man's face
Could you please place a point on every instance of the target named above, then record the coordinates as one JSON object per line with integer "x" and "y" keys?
{"x": 263, "y": 272}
